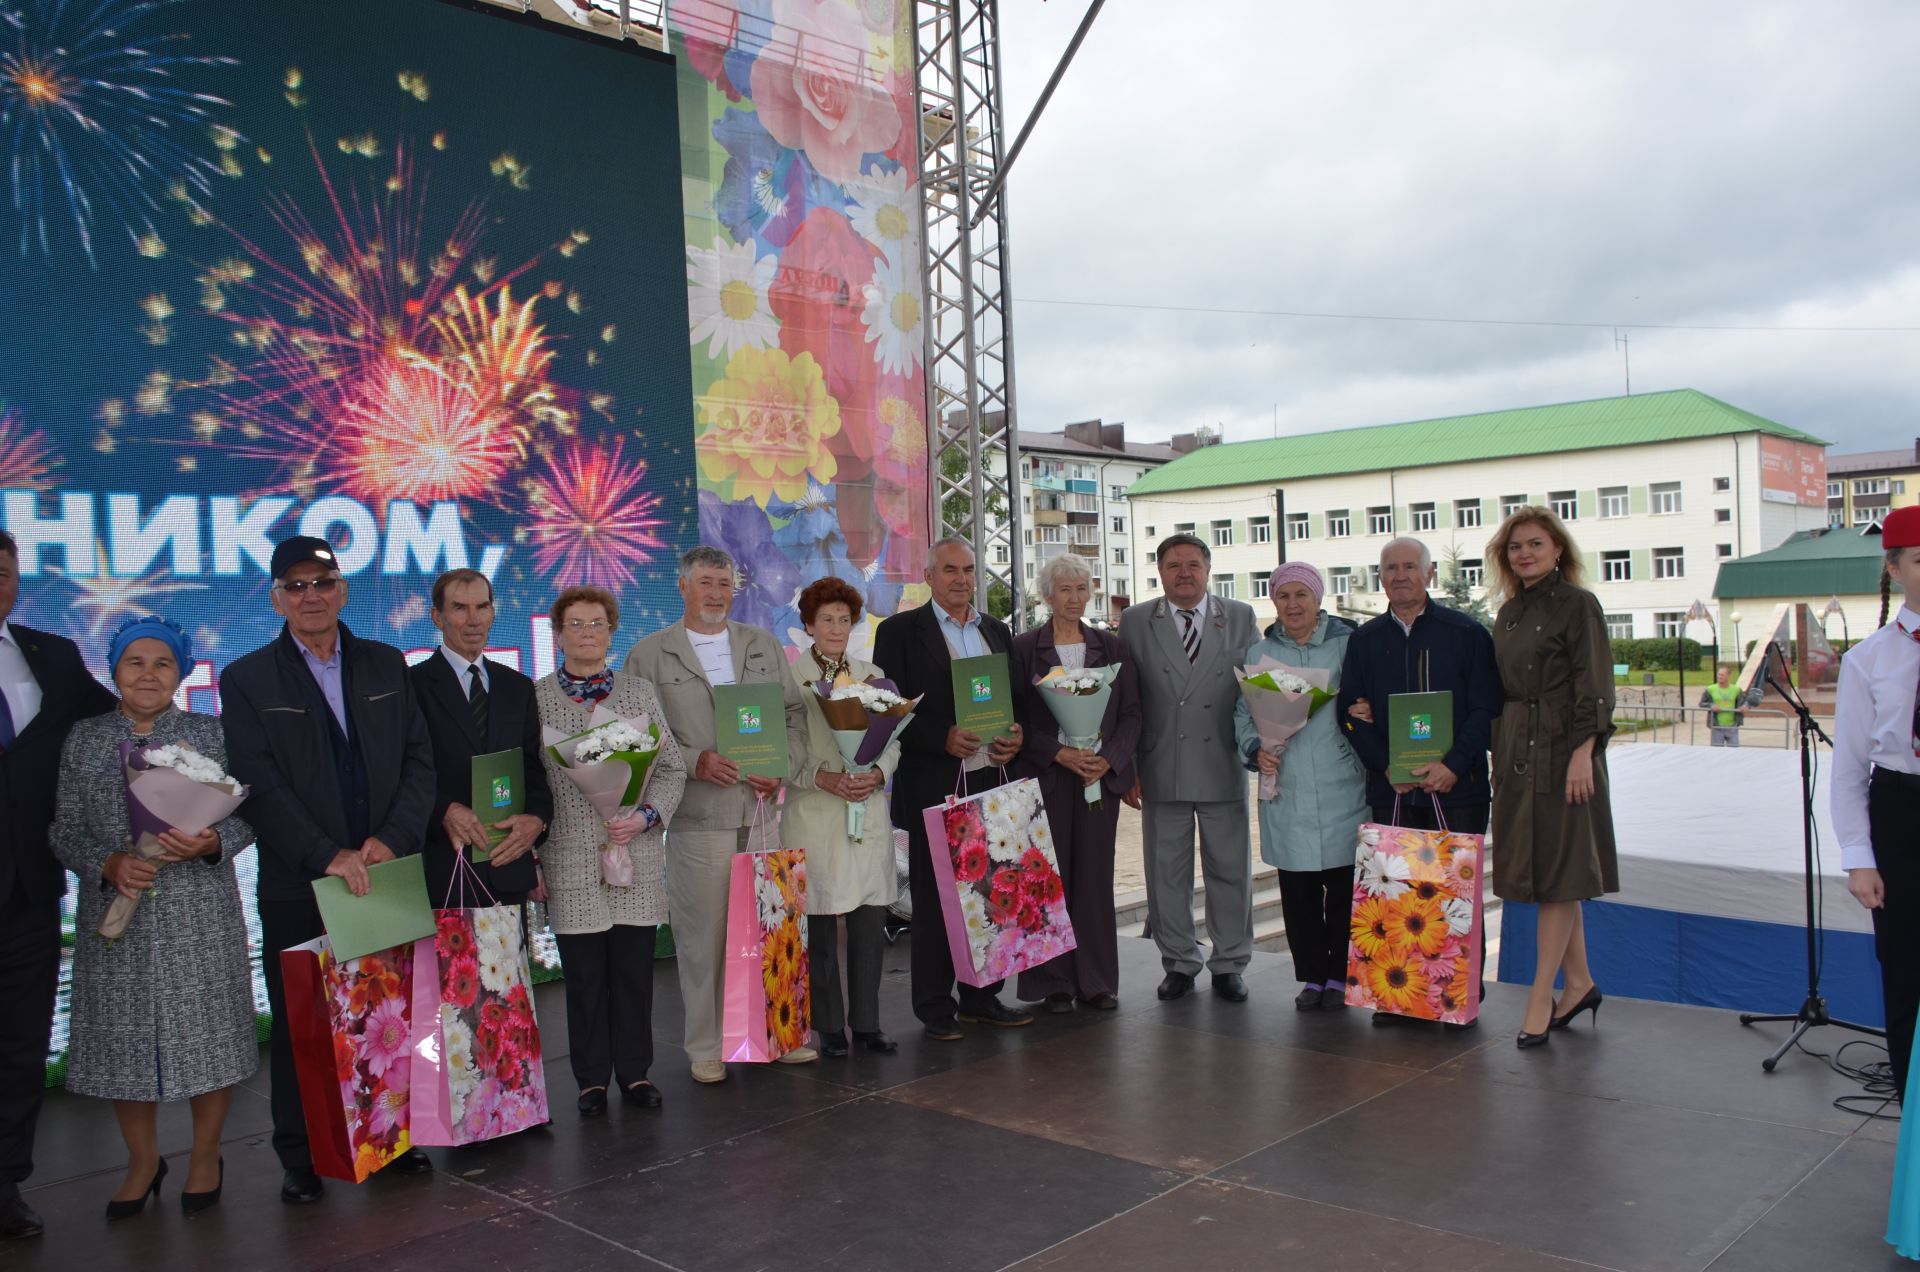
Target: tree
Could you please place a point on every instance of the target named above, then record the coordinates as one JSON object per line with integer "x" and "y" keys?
{"x": 999, "y": 600}
{"x": 956, "y": 506}
{"x": 1459, "y": 592}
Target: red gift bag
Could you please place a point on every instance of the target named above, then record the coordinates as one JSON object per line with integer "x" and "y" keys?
{"x": 350, "y": 1024}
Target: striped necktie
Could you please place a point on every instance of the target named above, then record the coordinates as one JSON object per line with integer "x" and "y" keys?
{"x": 1190, "y": 636}
{"x": 477, "y": 698}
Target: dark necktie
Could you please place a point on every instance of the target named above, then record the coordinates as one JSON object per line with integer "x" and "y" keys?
{"x": 1190, "y": 637}
{"x": 477, "y": 698}
{"x": 6, "y": 723}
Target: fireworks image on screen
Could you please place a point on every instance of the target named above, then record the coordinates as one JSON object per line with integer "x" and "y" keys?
{"x": 593, "y": 519}
{"x": 98, "y": 120}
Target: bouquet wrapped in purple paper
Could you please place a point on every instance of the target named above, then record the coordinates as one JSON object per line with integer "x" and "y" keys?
{"x": 1281, "y": 699}
{"x": 168, "y": 788}
{"x": 865, "y": 716}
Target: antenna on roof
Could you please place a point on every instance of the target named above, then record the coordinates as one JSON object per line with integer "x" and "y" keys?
{"x": 1626, "y": 357}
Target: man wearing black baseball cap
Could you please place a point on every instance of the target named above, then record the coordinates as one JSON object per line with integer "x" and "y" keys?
{"x": 325, "y": 729}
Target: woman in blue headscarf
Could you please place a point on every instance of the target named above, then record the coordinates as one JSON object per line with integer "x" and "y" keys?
{"x": 165, "y": 1010}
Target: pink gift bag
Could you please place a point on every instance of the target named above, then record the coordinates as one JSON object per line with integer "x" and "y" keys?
{"x": 1001, "y": 894}
{"x": 1414, "y": 947}
{"x": 765, "y": 1011}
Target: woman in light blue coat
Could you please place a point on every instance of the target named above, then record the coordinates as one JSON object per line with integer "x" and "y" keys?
{"x": 1309, "y": 830}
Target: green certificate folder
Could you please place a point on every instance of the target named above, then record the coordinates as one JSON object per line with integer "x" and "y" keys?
{"x": 983, "y": 696}
{"x": 499, "y": 791}
{"x": 1419, "y": 731}
{"x": 750, "y": 728}
{"x": 395, "y": 910}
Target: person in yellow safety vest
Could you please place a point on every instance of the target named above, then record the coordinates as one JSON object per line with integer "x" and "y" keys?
{"x": 1724, "y": 696}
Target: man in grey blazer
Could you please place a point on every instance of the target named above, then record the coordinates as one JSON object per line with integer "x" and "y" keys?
{"x": 1184, "y": 649}
{"x": 684, "y": 662}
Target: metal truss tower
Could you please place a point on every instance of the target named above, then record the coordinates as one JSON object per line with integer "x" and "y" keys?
{"x": 971, "y": 415}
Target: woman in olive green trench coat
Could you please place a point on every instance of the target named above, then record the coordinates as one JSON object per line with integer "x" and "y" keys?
{"x": 1552, "y": 825}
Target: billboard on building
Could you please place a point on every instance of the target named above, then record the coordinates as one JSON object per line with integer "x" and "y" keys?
{"x": 1792, "y": 472}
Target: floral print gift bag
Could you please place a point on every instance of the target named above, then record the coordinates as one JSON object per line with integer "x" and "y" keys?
{"x": 349, "y": 1025}
{"x": 1415, "y": 947}
{"x": 1000, "y": 888}
{"x": 766, "y": 1008}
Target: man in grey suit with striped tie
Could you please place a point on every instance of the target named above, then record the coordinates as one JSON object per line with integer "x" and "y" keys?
{"x": 1184, "y": 649}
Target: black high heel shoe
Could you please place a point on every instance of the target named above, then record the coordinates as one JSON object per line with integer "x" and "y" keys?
{"x": 192, "y": 1203}
{"x": 128, "y": 1209}
{"x": 1524, "y": 1040}
{"x": 1589, "y": 1001}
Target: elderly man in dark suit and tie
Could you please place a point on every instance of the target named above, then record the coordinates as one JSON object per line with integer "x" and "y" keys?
{"x": 475, "y": 706}
{"x": 1184, "y": 649}
{"x": 916, "y": 649}
{"x": 44, "y": 688}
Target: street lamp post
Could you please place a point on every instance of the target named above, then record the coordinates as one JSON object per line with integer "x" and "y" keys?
{"x": 1739, "y": 651}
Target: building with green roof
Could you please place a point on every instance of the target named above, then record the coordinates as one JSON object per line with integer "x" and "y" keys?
{"x": 1657, "y": 489}
{"x": 1814, "y": 566}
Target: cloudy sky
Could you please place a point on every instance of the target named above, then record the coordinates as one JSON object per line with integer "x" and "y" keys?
{"x": 1676, "y": 164}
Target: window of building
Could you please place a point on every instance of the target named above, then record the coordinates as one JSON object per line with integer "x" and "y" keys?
{"x": 1565, "y": 504}
{"x": 1616, "y": 567}
{"x": 1510, "y": 504}
{"x": 1183, "y": 527}
{"x": 1669, "y": 563}
{"x": 1619, "y": 627}
{"x": 1119, "y": 558}
{"x": 1029, "y": 571}
{"x": 1002, "y": 553}
{"x": 1373, "y": 578}
{"x": 1666, "y": 497}
{"x": 1723, "y": 549}
{"x": 1613, "y": 501}
{"x": 1473, "y": 572}
{"x": 1862, "y": 516}
{"x": 1466, "y": 515}
{"x": 1119, "y": 525}
{"x": 1052, "y": 534}
{"x": 1151, "y": 532}
{"x": 1223, "y": 585}
{"x": 1297, "y": 526}
{"x": 1026, "y": 468}
{"x": 1900, "y": 486}
{"x": 1026, "y": 537}
{"x": 1342, "y": 580}
{"x": 1223, "y": 534}
{"x": 1261, "y": 583}
{"x": 1669, "y": 624}
{"x": 1260, "y": 530}
{"x": 1834, "y": 489}
{"x": 1424, "y": 518}
{"x": 1379, "y": 521}
{"x": 1086, "y": 503}
{"x": 1721, "y": 516}
{"x": 1870, "y": 486}
{"x": 1115, "y": 493}
{"x": 1122, "y": 585}
{"x": 1339, "y": 524}
{"x": 1722, "y": 484}
{"x": 1153, "y": 583}
{"x": 1026, "y": 505}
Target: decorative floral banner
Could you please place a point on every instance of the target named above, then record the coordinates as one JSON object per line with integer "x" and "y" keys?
{"x": 806, "y": 305}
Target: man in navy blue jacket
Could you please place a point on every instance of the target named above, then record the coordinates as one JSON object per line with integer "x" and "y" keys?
{"x": 1422, "y": 646}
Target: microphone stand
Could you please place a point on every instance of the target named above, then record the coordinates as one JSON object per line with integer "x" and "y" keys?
{"x": 1813, "y": 1012}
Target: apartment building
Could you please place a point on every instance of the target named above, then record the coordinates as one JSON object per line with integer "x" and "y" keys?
{"x": 1862, "y": 488}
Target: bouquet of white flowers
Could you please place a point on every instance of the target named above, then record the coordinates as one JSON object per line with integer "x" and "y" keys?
{"x": 168, "y": 787}
{"x": 1281, "y": 700}
{"x": 865, "y": 716}
{"x": 609, "y": 762}
{"x": 1078, "y": 700}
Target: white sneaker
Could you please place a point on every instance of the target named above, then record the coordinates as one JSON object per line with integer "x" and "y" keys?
{"x": 799, "y": 1055}
{"x": 709, "y": 1071}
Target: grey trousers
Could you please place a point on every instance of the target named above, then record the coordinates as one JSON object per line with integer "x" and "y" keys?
{"x": 1225, "y": 863}
{"x": 1726, "y": 737}
{"x": 699, "y": 868}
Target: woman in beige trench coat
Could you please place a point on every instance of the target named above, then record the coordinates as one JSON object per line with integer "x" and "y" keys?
{"x": 1552, "y": 825}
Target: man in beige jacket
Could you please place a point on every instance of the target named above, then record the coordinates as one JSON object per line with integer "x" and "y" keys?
{"x": 684, "y": 662}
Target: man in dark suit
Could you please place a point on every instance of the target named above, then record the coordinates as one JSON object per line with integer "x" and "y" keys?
{"x": 476, "y": 707}
{"x": 44, "y": 688}
{"x": 916, "y": 649}
{"x": 324, "y": 728}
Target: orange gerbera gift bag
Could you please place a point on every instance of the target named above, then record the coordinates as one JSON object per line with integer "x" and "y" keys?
{"x": 1415, "y": 943}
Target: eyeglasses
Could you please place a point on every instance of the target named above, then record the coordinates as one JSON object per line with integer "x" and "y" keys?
{"x": 322, "y": 586}
{"x": 587, "y": 625}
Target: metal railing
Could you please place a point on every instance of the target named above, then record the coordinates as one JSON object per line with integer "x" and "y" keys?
{"x": 1767, "y": 727}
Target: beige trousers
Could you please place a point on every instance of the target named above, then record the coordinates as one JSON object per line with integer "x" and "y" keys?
{"x": 699, "y": 866}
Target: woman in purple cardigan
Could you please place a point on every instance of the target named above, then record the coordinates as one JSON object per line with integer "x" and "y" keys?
{"x": 1082, "y": 832}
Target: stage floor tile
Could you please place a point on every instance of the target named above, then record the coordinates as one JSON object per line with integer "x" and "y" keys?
{"x": 1836, "y": 1218}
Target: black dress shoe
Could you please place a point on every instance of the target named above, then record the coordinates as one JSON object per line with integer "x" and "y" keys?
{"x": 413, "y": 1162}
{"x": 1333, "y": 1000}
{"x": 1589, "y": 1001}
{"x": 833, "y": 1045}
{"x": 18, "y": 1219}
{"x": 945, "y": 1029}
{"x": 1525, "y": 1040}
{"x": 642, "y": 1094}
{"x": 997, "y": 1014}
{"x": 1175, "y": 985}
{"x": 1104, "y": 1002}
{"x": 128, "y": 1209}
{"x": 298, "y": 1187}
{"x": 592, "y": 1103}
{"x": 192, "y": 1203}
{"x": 1060, "y": 1004}
{"x": 877, "y": 1042}
{"x": 1461, "y": 1026}
{"x": 1230, "y": 986}
{"x": 1309, "y": 999}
